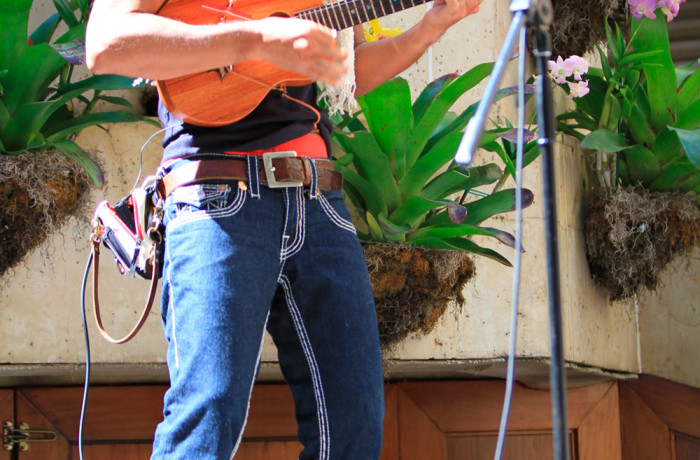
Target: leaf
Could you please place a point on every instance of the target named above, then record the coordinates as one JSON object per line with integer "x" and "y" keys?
{"x": 116, "y": 101}
{"x": 613, "y": 44}
{"x": 429, "y": 164}
{"x": 105, "y": 82}
{"x": 605, "y": 141}
{"x": 370, "y": 195}
{"x": 72, "y": 151}
{"x": 496, "y": 203}
{"x": 677, "y": 177}
{"x": 430, "y": 92}
{"x": 498, "y": 149}
{"x": 660, "y": 73}
{"x": 642, "y": 165}
{"x": 511, "y": 135}
{"x": 412, "y": 211}
{"x": 73, "y": 52}
{"x": 66, "y": 12}
{"x": 690, "y": 140}
{"x": 30, "y": 76}
{"x": 424, "y": 127}
{"x": 14, "y": 19}
{"x": 46, "y": 29}
{"x": 690, "y": 118}
{"x": 462, "y": 244}
{"x": 387, "y": 109}
{"x": 375, "y": 230}
{"x": 459, "y": 179}
{"x": 635, "y": 57}
{"x": 463, "y": 230}
{"x": 455, "y": 211}
{"x": 689, "y": 95}
{"x": 392, "y": 228}
{"x": 667, "y": 147}
{"x": 373, "y": 165}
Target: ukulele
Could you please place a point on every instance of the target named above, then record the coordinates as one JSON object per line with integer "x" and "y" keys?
{"x": 223, "y": 96}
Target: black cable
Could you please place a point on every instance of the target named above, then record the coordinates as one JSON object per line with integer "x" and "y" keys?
{"x": 87, "y": 358}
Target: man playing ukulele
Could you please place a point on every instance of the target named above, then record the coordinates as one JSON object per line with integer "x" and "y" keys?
{"x": 258, "y": 238}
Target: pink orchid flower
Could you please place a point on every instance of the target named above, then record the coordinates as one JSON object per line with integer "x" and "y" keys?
{"x": 578, "y": 89}
{"x": 559, "y": 69}
{"x": 640, "y": 8}
{"x": 577, "y": 66}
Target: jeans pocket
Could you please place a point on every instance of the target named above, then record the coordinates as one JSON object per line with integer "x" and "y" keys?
{"x": 203, "y": 201}
{"x": 334, "y": 207}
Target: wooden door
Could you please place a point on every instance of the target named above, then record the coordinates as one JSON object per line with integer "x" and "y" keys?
{"x": 120, "y": 422}
{"x": 460, "y": 420}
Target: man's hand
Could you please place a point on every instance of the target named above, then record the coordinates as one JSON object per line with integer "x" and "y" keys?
{"x": 446, "y": 13}
{"x": 301, "y": 46}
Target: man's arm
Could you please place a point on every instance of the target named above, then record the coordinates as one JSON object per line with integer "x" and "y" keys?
{"x": 126, "y": 37}
{"x": 381, "y": 60}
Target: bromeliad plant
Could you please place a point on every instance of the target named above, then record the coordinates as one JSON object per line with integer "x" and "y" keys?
{"x": 638, "y": 112}
{"x": 40, "y": 106}
{"x": 399, "y": 172}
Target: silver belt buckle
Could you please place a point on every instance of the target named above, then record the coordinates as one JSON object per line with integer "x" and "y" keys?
{"x": 272, "y": 182}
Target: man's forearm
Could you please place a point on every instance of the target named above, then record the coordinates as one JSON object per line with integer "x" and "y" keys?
{"x": 383, "y": 59}
{"x": 378, "y": 61}
{"x": 127, "y": 37}
{"x": 146, "y": 45}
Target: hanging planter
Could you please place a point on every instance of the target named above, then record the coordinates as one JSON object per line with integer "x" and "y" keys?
{"x": 413, "y": 286}
{"x": 39, "y": 191}
{"x": 631, "y": 234}
{"x": 636, "y": 118}
{"x": 579, "y": 26}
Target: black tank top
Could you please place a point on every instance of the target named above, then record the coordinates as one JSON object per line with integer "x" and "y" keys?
{"x": 276, "y": 120}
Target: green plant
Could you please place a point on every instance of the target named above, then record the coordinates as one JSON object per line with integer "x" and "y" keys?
{"x": 40, "y": 107}
{"x": 639, "y": 111}
{"x": 399, "y": 172}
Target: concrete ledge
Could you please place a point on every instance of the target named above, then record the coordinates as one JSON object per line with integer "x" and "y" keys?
{"x": 532, "y": 372}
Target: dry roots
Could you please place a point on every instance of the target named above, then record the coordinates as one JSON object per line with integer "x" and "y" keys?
{"x": 631, "y": 235}
{"x": 579, "y": 25}
{"x": 412, "y": 286}
{"x": 39, "y": 190}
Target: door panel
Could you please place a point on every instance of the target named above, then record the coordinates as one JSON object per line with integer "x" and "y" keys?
{"x": 687, "y": 447}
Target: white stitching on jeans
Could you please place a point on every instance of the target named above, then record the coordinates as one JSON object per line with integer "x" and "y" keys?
{"x": 333, "y": 215}
{"x": 322, "y": 415}
{"x": 226, "y": 211}
{"x": 250, "y": 391}
{"x": 300, "y": 230}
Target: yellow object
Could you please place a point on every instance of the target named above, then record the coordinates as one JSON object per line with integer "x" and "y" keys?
{"x": 376, "y": 32}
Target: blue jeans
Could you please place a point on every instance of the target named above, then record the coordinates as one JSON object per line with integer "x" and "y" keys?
{"x": 240, "y": 258}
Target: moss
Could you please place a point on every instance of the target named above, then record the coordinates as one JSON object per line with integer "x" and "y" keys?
{"x": 38, "y": 192}
{"x": 413, "y": 286}
{"x": 578, "y": 26}
{"x": 632, "y": 234}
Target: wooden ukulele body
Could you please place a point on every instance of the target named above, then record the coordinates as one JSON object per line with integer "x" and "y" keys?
{"x": 223, "y": 96}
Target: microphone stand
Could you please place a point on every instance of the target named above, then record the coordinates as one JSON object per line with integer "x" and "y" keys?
{"x": 538, "y": 14}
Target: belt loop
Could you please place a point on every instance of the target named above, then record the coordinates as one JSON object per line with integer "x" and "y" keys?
{"x": 313, "y": 183}
{"x": 253, "y": 176}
